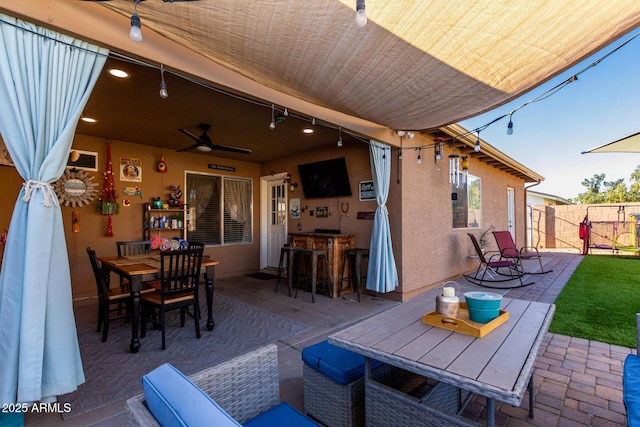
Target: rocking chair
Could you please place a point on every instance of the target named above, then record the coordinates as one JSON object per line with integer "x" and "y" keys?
{"x": 508, "y": 250}
{"x": 492, "y": 270}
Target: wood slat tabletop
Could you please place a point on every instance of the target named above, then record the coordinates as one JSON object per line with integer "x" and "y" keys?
{"x": 497, "y": 365}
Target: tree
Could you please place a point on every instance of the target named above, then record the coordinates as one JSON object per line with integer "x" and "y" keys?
{"x": 601, "y": 191}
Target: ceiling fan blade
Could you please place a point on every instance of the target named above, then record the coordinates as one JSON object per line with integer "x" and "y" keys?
{"x": 231, "y": 149}
{"x": 189, "y": 148}
{"x": 195, "y": 138}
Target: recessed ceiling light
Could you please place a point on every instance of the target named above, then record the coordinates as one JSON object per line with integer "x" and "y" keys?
{"x": 307, "y": 130}
{"x": 88, "y": 119}
{"x": 116, "y": 72}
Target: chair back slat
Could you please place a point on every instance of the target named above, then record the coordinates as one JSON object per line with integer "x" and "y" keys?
{"x": 180, "y": 271}
{"x": 135, "y": 247}
{"x": 506, "y": 245}
{"x": 476, "y": 245}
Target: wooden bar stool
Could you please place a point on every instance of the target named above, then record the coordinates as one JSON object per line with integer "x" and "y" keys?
{"x": 309, "y": 259}
{"x": 354, "y": 256}
{"x": 287, "y": 256}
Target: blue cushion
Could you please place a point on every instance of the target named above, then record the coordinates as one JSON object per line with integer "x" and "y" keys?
{"x": 281, "y": 415}
{"x": 341, "y": 365}
{"x": 175, "y": 401}
{"x": 631, "y": 387}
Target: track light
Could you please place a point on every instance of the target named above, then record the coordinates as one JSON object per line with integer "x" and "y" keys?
{"x": 135, "y": 34}
{"x": 286, "y": 112}
{"x": 272, "y": 125}
{"x": 313, "y": 121}
{"x": 477, "y": 147}
{"x": 510, "y": 126}
{"x": 339, "y": 137}
{"x": 163, "y": 86}
{"x": 361, "y": 15}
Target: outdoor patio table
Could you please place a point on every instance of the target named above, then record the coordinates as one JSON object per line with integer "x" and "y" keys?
{"x": 497, "y": 366}
{"x": 142, "y": 268}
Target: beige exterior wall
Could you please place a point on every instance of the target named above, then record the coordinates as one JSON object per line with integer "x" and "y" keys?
{"x": 428, "y": 250}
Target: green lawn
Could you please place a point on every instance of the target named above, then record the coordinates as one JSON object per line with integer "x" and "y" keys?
{"x": 600, "y": 301}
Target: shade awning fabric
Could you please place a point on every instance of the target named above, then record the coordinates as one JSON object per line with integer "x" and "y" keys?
{"x": 628, "y": 144}
{"x": 416, "y": 65}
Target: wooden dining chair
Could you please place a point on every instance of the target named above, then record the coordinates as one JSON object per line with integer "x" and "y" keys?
{"x": 134, "y": 247}
{"x": 176, "y": 289}
{"x": 110, "y": 301}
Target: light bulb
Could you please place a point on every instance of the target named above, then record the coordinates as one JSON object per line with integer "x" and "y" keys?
{"x": 410, "y": 135}
{"x": 135, "y": 34}
{"x": 400, "y": 155}
{"x": 477, "y": 147}
{"x": 163, "y": 90}
{"x": 361, "y": 16}
{"x": 272, "y": 125}
{"x": 339, "y": 141}
{"x": 400, "y": 133}
{"x": 510, "y": 127}
{"x": 419, "y": 159}
{"x": 438, "y": 156}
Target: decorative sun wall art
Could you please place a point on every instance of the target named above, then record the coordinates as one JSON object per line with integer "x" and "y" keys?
{"x": 75, "y": 188}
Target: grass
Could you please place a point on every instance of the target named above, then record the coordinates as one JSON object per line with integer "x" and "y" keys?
{"x": 600, "y": 301}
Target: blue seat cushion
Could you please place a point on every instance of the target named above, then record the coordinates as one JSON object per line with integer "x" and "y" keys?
{"x": 175, "y": 401}
{"x": 281, "y": 415}
{"x": 631, "y": 389}
{"x": 339, "y": 364}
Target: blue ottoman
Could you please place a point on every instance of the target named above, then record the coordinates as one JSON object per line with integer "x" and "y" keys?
{"x": 334, "y": 384}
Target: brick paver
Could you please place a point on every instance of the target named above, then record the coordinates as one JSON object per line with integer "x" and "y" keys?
{"x": 577, "y": 382}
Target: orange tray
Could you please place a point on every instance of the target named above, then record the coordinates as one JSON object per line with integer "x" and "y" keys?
{"x": 463, "y": 323}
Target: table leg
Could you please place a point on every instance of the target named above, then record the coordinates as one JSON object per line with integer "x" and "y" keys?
{"x": 491, "y": 413}
{"x": 209, "y": 277}
{"x": 136, "y": 285}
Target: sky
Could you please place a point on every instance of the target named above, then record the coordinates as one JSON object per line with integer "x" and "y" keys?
{"x": 602, "y": 106}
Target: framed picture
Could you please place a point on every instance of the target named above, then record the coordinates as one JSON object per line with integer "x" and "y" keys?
{"x": 367, "y": 190}
{"x": 130, "y": 169}
{"x": 322, "y": 212}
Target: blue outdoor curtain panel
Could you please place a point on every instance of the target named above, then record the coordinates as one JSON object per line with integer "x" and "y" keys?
{"x": 45, "y": 81}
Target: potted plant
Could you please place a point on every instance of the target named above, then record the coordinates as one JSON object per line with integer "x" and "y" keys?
{"x": 484, "y": 238}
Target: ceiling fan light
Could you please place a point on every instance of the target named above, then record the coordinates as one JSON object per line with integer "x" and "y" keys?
{"x": 203, "y": 148}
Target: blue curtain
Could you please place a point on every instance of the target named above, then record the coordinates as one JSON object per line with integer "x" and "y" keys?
{"x": 383, "y": 275}
{"x": 45, "y": 81}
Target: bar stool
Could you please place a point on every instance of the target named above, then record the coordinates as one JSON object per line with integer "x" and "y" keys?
{"x": 354, "y": 256}
{"x": 310, "y": 258}
{"x": 287, "y": 256}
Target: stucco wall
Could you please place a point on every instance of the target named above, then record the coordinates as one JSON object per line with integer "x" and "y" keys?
{"x": 431, "y": 250}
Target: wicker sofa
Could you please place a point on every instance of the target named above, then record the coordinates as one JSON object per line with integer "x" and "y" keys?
{"x": 243, "y": 387}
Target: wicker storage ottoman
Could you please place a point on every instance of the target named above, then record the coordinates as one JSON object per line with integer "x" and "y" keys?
{"x": 334, "y": 385}
{"x": 399, "y": 398}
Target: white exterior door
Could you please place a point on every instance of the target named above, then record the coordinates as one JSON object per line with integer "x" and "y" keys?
{"x": 511, "y": 212}
{"x": 276, "y": 227}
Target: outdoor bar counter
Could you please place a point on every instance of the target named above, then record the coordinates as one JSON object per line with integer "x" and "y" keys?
{"x": 334, "y": 244}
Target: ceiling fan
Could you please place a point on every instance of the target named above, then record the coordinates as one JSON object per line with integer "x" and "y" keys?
{"x": 204, "y": 144}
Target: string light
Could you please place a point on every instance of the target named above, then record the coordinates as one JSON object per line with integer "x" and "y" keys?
{"x": 510, "y": 126}
{"x": 419, "y": 156}
{"x": 163, "y": 86}
{"x": 135, "y": 34}
{"x": 361, "y": 15}
{"x": 339, "y": 137}
{"x": 477, "y": 147}
{"x": 272, "y": 125}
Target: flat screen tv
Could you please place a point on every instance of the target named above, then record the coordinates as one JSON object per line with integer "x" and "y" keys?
{"x": 328, "y": 178}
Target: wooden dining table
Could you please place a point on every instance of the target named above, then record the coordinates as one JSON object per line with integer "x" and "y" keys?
{"x": 138, "y": 269}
